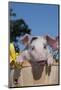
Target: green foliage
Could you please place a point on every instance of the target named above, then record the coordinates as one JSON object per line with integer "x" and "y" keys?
{"x": 12, "y": 13}
{"x": 17, "y": 27}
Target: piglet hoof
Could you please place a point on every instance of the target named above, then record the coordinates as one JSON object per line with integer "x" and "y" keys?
{"x": 48, "y": 69}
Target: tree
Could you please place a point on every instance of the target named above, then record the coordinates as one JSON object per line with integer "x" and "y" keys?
{"x": 12, "y": 13}
{"x": 17, "y": 27}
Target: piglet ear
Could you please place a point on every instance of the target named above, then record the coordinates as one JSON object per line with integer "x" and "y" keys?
{"x": 52, "y": 42}
{"x": 25, "y": 39}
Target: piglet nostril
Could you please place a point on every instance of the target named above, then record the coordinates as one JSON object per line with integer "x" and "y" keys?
{"x": 33, "y": 48}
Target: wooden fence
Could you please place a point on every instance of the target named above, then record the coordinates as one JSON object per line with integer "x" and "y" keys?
{"x": 34, "y": 74}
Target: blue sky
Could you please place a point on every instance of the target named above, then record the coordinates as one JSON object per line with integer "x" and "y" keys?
{"x": 41, "y": 18}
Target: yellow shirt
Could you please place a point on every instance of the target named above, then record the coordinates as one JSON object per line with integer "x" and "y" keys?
{"x": 12, "y": 52}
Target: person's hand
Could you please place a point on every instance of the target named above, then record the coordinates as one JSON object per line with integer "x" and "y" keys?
{"x": 19, "y": 65}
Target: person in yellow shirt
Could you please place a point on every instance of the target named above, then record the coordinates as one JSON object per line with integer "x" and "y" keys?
{"x": 13, "y": 55}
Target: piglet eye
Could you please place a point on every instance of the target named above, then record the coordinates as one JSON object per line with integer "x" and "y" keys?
{"x": 45, "y": 46}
